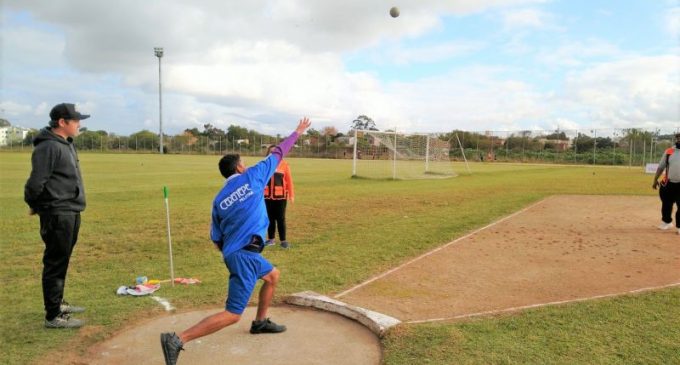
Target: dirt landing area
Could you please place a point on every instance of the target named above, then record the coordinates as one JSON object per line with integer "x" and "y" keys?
{"x": 313, "y": 337}
{"x": 563, "y": 248}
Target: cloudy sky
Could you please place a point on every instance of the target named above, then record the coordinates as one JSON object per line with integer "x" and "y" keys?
{"x": 262, "y": 64}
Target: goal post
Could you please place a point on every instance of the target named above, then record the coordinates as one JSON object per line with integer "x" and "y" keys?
{"x": 393, "y": 155}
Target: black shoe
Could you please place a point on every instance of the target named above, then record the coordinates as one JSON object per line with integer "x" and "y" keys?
{"x": 266, "y": 326}
{"x": 171, "y": 345}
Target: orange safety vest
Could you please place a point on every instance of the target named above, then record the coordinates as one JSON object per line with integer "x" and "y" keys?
{"x": 280, "y": 186}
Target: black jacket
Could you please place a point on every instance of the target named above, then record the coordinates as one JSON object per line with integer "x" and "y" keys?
{"x": 55, "y": 185}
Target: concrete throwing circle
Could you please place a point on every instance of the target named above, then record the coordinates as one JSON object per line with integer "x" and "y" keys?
{"x": 562, "y": 249}
{"x": 312, "y": 337}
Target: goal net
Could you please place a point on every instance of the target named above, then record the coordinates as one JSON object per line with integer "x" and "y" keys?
{"x": 391, "y": 155}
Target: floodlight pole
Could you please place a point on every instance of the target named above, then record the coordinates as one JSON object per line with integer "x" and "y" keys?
{"x": 159, "y": 53}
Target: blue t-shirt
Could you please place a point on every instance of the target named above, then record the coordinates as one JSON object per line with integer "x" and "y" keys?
{"x": 238, "y": 210}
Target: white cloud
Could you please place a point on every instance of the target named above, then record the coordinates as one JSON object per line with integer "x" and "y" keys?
{"x": 11, "y": 108}
{"x": 578, "y": 53}
{"x": 672, "y": 19}
{"x": 476, "y": 98}
{"x": 262, "y": 64}
{"x": 629, "y": 93}
{"x": 428, "y": 54}
{"x": 525, "y": 18}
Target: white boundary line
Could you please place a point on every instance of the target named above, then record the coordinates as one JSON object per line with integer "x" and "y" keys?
{"x": 514, "y": 309}
{"x": 380, "y": 276}
{"x": 164, "y": 302}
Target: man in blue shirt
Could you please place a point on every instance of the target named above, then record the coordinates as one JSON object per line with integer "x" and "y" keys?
{"x": 239, "y": 222}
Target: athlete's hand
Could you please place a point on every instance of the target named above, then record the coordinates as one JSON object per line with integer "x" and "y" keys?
{"x": 655, "y": 185}
{"x": 303, "y": 125}
{"x": 31, "y": 211}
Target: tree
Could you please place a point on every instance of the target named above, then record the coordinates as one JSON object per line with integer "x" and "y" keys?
{"x": 5, "y": 123}
{"x": 583, "y": 142}
{"x": 329, "y": 131}
{"x": 143, "y": 140}
{"x": 193, "y": 131}
{"x": 89, "y": 140}
{"x": 557, "y": 135}
{"x": 28, "y": 140}
{"x": 235, "y": 132}
{"x": 211, "y": 131}
{"x": 364, "y": 122}
{"x": 602, "y": 142}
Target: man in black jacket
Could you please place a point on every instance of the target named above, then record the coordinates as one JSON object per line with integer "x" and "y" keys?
{"x": 55, "y": 192}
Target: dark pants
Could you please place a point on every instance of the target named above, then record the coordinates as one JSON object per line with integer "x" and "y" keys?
{"x": 60, "y": 233}
{"x": 276, "y": 210}
{"x": 670, "y": 194}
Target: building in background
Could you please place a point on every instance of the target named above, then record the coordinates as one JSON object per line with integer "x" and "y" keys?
{"x": 11, "y": 135}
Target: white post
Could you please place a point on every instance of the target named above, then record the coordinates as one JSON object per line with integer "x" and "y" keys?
{"x": 594, "y": 144}
{"x": 394, "y": 161}
{"x": 427, "y": 153}
{"x": 630, "y": 151}
{"x": 354, "y": 156}
{"x": 462, "y": 151}
{"x": 167, "y": 215}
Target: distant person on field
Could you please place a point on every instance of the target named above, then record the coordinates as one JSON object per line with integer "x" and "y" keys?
{"x": 669, "y": 187}
{"x": 239, "y": 222}
{"x": 55, "y": 192}
{"x": 277, "y": 193}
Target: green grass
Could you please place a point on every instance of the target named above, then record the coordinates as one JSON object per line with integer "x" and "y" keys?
{"x": 642, "y": 329}
{"x": 343, "y": 231}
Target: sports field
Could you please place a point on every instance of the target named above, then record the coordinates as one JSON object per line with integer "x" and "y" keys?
{"x": 344, "y": 231}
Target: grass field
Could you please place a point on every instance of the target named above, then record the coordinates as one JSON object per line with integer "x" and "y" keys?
{"x": 343, "y": 231}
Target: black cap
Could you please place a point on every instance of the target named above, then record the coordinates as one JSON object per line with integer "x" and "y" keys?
{"x": 66, "y": 111}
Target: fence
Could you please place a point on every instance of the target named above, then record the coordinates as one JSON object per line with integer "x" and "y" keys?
{"x": 631, "y": 147}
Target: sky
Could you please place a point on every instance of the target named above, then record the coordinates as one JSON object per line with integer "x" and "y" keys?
{"x": 477, "y": 65}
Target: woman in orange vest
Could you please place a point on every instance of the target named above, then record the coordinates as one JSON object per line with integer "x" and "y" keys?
{"x": 276, "y": 195}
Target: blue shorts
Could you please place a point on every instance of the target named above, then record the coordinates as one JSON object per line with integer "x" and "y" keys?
{"x": 245, "y": 268}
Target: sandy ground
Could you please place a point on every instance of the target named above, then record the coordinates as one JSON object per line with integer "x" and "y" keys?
{"x": 313, "y": 337}
{"x": 563, "y": 248}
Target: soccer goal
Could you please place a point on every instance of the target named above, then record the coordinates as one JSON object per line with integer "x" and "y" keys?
{"x": 392, "y": 155}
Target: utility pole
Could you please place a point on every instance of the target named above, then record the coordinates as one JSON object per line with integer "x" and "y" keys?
{"x": 159, "y": 53}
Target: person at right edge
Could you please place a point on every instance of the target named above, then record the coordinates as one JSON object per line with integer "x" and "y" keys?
{"x": 277, "y": 193}
{"x": 669, "y": 187}
{"x": 239, "y": 223}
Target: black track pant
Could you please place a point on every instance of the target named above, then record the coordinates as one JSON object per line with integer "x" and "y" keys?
{"x": 60, "y": 233}
{"x": 276, "y": 210}
{"x": 670, "y": 194}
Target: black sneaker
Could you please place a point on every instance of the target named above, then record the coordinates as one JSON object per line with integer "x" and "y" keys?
{"x": 266, "y": 326}
{"x": 171, "y": 345}
{"x": 67, "y": 308}
{"x": 63, "y": 320}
